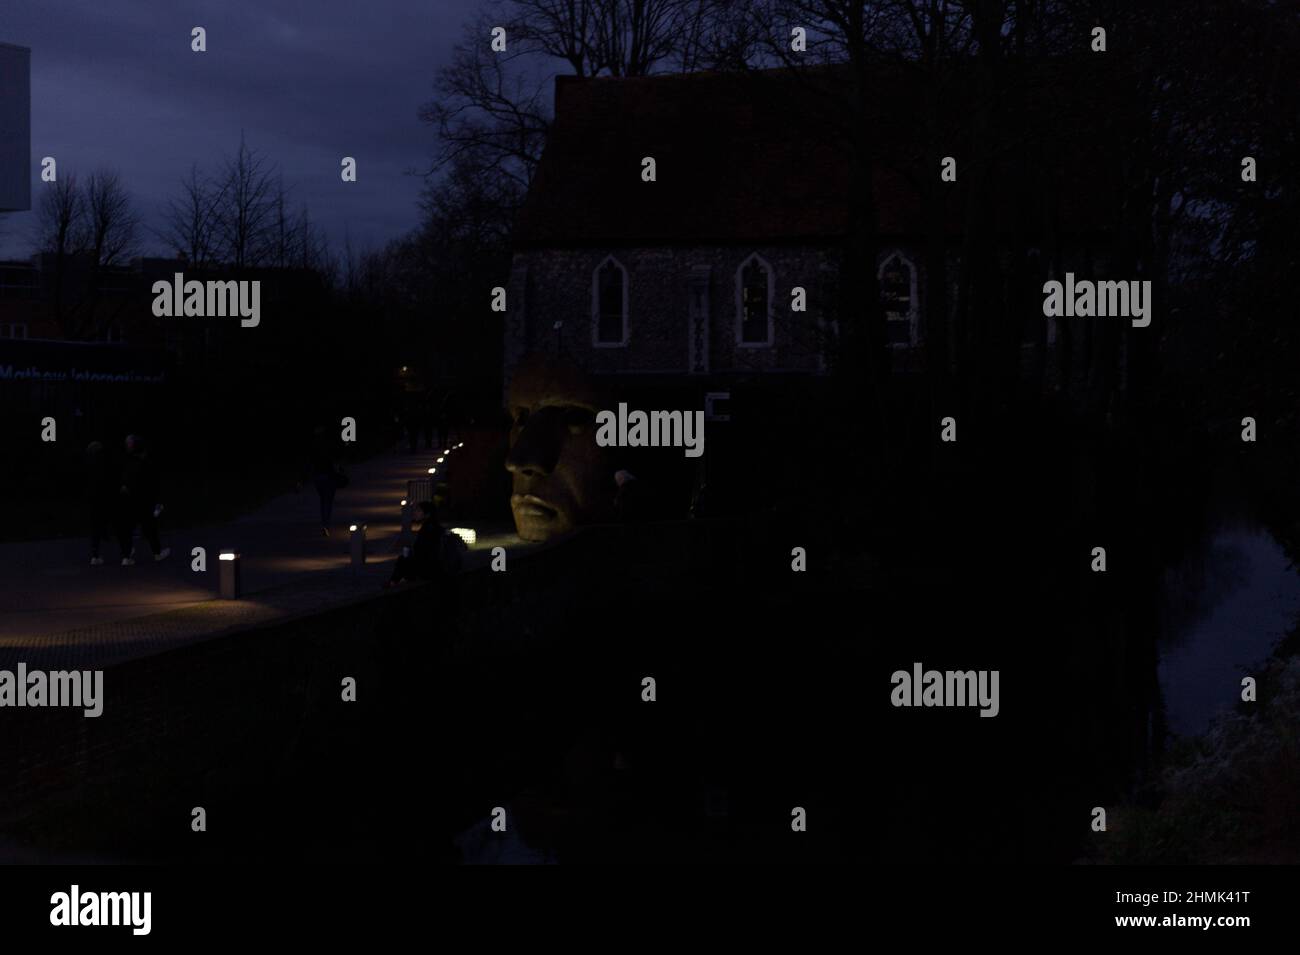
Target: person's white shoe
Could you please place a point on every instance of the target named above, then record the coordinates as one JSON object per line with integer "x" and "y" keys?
{"x": 128, "y": 561}
{"x": 163, "y": 554}
{"x": 96, "y": 561}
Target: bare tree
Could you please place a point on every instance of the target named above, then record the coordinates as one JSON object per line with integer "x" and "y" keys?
{"x": 61, "y": 217}
{"x": 312, "y": 249}
{"x": 246, "y": 210}
{"x": 562, "y": 29}
{"x": 493, "y": 107}
{"x": 61, "y": 232}
{"x": 111, "y": 222}
{"x": 190, "y": 220}
{"x": 282, "y": 237}
{"x": 635, "y": 36}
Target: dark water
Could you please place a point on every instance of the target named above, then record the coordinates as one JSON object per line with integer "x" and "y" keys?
{"x": 1225, "y": 608}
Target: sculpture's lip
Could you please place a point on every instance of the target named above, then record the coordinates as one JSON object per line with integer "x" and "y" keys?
{"x": 532, "y": 506}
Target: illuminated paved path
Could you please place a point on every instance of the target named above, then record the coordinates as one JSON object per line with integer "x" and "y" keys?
{"x": 288, "y": 566}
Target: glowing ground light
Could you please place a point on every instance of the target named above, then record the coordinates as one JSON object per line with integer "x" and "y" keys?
{"x": 352, "y": 527}
{"x": 433, "y": 470}
{"x": 440, "y": 460}
{"x": 468, "y": 535}
{"x": 229, "y": 586}
{"x": 403, "y": 502}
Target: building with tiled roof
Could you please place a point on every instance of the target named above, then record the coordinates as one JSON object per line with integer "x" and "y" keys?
{"x": 695, "y": 273}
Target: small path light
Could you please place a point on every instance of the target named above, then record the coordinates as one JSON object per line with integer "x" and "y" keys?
{"x": 357, "y": 541}
{"x": 228, "y": 577}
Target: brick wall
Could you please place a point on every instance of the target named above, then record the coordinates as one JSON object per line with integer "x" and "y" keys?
{"x": 556, "y": 285}
{"x": 252, "y": 727}
{"x": 220, "y": 724}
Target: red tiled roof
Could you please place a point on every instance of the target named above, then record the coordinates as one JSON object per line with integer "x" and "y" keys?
{"x": 756, "y": 157}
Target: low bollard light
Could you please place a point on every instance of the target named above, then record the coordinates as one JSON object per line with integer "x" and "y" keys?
{"x": 358, "y": 544}
{"x": 228, "y": 577}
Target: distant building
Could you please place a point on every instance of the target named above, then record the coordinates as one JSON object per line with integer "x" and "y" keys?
{"x": 114, "y": 304}
{"x": 81, "y": 343}
{"x": 15, "y": 128}
{"x": 692, "y": 277}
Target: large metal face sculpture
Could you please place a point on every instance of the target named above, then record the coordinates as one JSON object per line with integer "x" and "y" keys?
{"x": 561, "y": 478}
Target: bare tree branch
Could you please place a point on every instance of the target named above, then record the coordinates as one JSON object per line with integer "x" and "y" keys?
{"x": 190, "y": 219}
{"x": 245, "y": 214}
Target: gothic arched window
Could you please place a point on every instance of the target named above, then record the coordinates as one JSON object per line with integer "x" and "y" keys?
{"x": 609, "y": 304}
{"x": 897, "y": 276}
{"x": 754, "y": 288}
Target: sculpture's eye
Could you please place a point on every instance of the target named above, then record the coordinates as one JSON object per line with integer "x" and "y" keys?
{"x": 576, "y": 419}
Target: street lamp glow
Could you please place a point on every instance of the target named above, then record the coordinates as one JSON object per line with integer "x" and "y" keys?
{"x": 352, "y": 527}
{"x": 467, "y": 534}
{"x": 440, "y": 460}
{"x": 433, "y": 470}
{"x": 403, "y": 502}
{"x": 226, "y": 556}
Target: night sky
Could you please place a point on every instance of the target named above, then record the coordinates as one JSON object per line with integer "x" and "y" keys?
{"x": 308, "y": 81}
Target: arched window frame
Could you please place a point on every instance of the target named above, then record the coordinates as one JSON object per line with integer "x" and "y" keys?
{"x": 595, "y": 305}
{"x": 740, "y": 302}
{"x": 913, "y": 309}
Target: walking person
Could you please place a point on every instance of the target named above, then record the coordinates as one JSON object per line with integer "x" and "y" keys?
{"x": 102, "y": 501}
{"x": 324, "y": 475}
{"x": 139, "y": 502}
{"x": 445, "y": 412}
{"x": 428, "y": 414}
{"x": 411, "y": 420}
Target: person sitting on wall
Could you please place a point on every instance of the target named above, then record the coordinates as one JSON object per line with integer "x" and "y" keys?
{"x": 436, "y": 554}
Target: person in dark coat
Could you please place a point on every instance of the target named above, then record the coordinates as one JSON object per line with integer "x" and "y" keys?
{"x": 411, "y": 420}
{"x": 435, "y": 554}
{"x": 446, "y": 411}
{"x": 322, "y": 473}
{"x": 139, "y": 501}
{"x": 630, "y": 499}
{"x": 102, "y": 501}
{"x": 428, "y": 418}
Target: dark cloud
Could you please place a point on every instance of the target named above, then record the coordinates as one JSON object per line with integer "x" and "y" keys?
{"x": 306, "y": 81}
